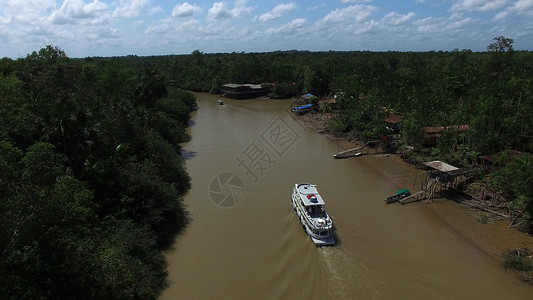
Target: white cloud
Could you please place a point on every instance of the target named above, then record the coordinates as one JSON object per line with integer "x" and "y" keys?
{"x": 342, "y": 25}
{"x": 396, "y": 19}
{"x": 289, "y": 28}
{"x": 30, "y": 10}
{"x": 240, "y": 9}
{"x": 359, "y": 13}
{"x": 458, "y": 21}
{"x": 278, "y": 11}
{"x": 221, "y": 10}
{"x": 74, "y": 11}
{"x": 185, "y": 10}
{"x": 500, "y": 16}
{"x": 39, "y": 31}
{"x": 155, "y": 10}
{"x": 117, "y": 27}
{"x": 428, "y": 25}
{"x": 316, "y": 7}
{"x": 366, "y": 27}
{"x": 522, "y": 5}
{"x": 162, "y": 27}
{"x": 6, "y": 20}
{"x": 479, "y": 5}
{"x": 171, "y": 25}
{"x": 111, "y": 33}
{"x": 130, "y": 8}
{"x": 355, "y": 1}
{"x": 189, "y": 25}
{"x": 448, "y": 26}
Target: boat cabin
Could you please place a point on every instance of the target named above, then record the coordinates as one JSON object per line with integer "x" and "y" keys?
{"x": 316, "y": 211}
{"x": 311, "y": 200}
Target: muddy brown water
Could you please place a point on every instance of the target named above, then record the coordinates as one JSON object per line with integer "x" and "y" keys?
{"x": 244, "y": 241}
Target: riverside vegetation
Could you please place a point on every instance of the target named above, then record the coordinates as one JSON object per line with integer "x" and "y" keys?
{"x": 91, "y": 176}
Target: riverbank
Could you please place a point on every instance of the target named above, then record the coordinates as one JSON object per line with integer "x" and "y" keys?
{"x": 490, "y": 233}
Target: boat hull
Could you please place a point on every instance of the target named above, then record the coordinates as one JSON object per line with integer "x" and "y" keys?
{"x": 302, "y": 109}
{"x": 340, "y": 156}
{"x": 399, "y": 196}
{"x": 324, "y": 242}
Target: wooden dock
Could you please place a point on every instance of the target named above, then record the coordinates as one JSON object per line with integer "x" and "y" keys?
{"x": 443, "y": 177}
{"x": 357, "y": 151}
{"x": 413, "y": 198}
{"x": 429, "y": 188}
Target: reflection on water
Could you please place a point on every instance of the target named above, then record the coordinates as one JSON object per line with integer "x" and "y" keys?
{"x": 256, "y": 248}
{"x": 186, "y": 155}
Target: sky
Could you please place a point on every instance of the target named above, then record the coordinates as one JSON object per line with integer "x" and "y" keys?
{"x": 85, "y": 28}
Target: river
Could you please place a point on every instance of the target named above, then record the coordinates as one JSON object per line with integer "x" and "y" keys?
{"x": 244, "y": 241}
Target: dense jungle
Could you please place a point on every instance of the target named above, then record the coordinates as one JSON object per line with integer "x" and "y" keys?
{"x": 91, "y": 175}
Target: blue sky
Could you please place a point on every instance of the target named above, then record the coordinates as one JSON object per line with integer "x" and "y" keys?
{"x": 148, "y": 27}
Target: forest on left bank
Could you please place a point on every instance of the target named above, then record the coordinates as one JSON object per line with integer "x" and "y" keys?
{"x": 91, "y": 177}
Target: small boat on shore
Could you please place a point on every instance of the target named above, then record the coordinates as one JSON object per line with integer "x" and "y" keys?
{"x": 399, "y": 195}
{"x": 357, "y": 151}
{"x": 300, "y": 110}
{"x": 220, "y": 102}
{"x": 309, "y": 207}
{"x": 346, "y": 155}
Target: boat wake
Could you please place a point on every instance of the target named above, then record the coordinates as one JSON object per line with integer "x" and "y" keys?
{"x": 332, "y": 261}
{"x": 342, "y": 269}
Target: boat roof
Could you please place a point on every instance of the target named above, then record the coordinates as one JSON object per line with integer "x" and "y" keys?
{"x": 306, "y": 192}
{"x": 402, "y": 191}
{"x": 440, "y": 166}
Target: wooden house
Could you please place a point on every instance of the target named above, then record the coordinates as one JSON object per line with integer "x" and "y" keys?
{"x": 331, "y": 102}
{"x": 432, "y": 134}
{"x": 502, "y": 158}
{"x": 242, "y": 91}
{"x": 394, "y": 123}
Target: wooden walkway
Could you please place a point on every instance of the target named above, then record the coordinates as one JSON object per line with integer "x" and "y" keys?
{"x": 353, "y": 152}
{"x": 413, "y": 198}
{"x": 430, "y": 187}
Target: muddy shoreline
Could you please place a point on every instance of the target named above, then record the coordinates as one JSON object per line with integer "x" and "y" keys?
{"x": 493, "y": 237}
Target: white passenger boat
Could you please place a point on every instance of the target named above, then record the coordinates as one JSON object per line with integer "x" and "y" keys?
{"x": 310, "y": 208}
